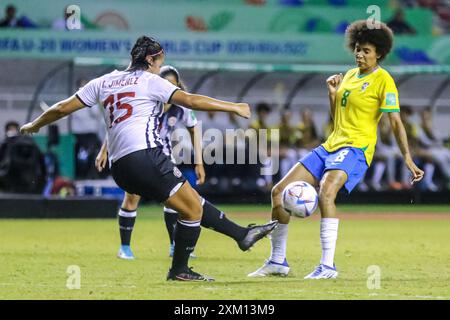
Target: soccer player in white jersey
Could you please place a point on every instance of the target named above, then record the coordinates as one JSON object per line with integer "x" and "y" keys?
{"x": 172, "y": 116}
{"x": 133, "y": 101}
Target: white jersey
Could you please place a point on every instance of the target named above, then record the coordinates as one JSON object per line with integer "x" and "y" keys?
{"x": 170, "y": 120}
{"x": 132, "y": 103}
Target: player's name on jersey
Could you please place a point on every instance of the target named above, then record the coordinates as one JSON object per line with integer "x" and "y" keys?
{"x": 120, "y": 82}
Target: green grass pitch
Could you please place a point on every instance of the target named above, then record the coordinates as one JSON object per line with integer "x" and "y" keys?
{"x": 412, "y": 255}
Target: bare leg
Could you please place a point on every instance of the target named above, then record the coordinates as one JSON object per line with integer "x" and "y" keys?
{"x": 279, "y": 235}
{"x": 130, "y": 201}
{"x": 186, "y": 202}
{"x": 332, "y": 181}
{"x": 297, "y": 173}
{"x": 187, "y": 231}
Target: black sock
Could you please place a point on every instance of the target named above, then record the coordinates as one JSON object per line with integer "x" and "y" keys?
{"x": 215, "y": 219}
{"x": 186, "y": 236}
{"x": 126, "y": 224}
{"x": 171, "y": 221}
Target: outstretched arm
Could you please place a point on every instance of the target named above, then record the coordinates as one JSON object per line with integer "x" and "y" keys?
{"x": 402, "y": 141}
{"x": 204, "y": 103}
{"x": 55, "y": 112}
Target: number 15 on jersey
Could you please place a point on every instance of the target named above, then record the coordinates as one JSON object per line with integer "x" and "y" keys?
{"x": 113, "y": 102}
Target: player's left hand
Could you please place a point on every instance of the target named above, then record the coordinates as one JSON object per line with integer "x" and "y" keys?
{"x": 28, "y": 128}
{"x": 200, "y": 173}
{"x": 243, "y": 110}
{"x": 416, "y": 172}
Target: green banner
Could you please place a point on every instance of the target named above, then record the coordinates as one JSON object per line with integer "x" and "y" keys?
{"x": 215, "y": 16}
{"x": 257, "y": 48}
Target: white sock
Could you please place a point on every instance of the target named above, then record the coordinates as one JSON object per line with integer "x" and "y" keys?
{"x": 279, "y": 242}
{"x": 328, "y": 237}
{"x": 127, "y": 213}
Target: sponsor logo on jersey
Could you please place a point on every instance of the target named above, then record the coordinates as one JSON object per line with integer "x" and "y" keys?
{"x": 364, "y": 86}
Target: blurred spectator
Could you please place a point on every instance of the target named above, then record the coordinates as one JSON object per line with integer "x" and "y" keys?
{"x": 22, "y": 165}
{"x": 63, "y": 187}
{"x": 262, "y": 113}
{"x": 341, "y": 27}
{"x": 293, "y": 3}
{"x": 288, "y": 136}
{"x": 11, "y": 130}
{"x": 255, "y": 2}
{"x": 338, "y": 2}
{"x": 385, "y": 159}
{"x": 428, "y": 139}
{"x": 328, "y": 128}
{"x": 418, "y": 151}
{"x": 209, "y": 121}
{"x": 308, "y": 138}
{"x": 408, "y": 3}
{"x": 399, "y": 25}
{"x": 11, "y": 21}
{"x": 89, "y": 130}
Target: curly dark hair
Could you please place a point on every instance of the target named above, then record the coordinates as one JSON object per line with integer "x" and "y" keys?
{"x": 382, "y": 38}
{"x": 144, "y": 47}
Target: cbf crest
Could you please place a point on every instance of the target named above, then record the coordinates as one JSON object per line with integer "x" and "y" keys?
{"x": 364, "y": 86}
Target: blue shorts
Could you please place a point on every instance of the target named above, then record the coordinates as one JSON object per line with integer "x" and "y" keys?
{"x": 348, "y": 159}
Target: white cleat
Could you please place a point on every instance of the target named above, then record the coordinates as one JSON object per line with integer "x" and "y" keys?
{"x": 323, "y": 272}
{"x": 271, "y": 268}
{"x": 125, "y": 253}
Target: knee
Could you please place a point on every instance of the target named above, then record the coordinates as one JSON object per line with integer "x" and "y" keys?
{"x": 276, "y": 191}
{"x": 327, "y": 193}
{"x": 130, "y": 202}
{"x": 198, "y": 209}
{"x": 194, "y": 212}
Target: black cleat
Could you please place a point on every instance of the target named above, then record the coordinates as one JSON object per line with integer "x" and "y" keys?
{"x": 256, "y": 233}
{"x": 187, "y": 275}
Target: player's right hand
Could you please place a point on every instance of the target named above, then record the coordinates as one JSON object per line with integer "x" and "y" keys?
{"x": 100, "y": 160}
{"x": 333, "y": 83}
{"x": 417, "y": 174}
{"x": 28, "y": 128}
{"x": 243, "y": 110}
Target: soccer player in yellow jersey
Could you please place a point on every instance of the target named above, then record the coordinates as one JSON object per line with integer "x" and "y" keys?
{"x": 357, "y": 102}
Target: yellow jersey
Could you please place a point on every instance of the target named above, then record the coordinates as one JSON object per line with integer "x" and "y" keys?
{"x": 360, "y": 101}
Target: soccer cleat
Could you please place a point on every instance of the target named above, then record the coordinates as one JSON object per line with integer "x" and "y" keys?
{"x": 172, "y": 247}
{"x": 271, "y": 268}
{"x": 256, "y": 233}
{"x": 188, "y": 275}
{"x": 323, "y": 272}
{"x": 125, "y": 253}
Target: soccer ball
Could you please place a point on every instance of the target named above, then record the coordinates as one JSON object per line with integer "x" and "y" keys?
{"x": 300, "y": 199}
